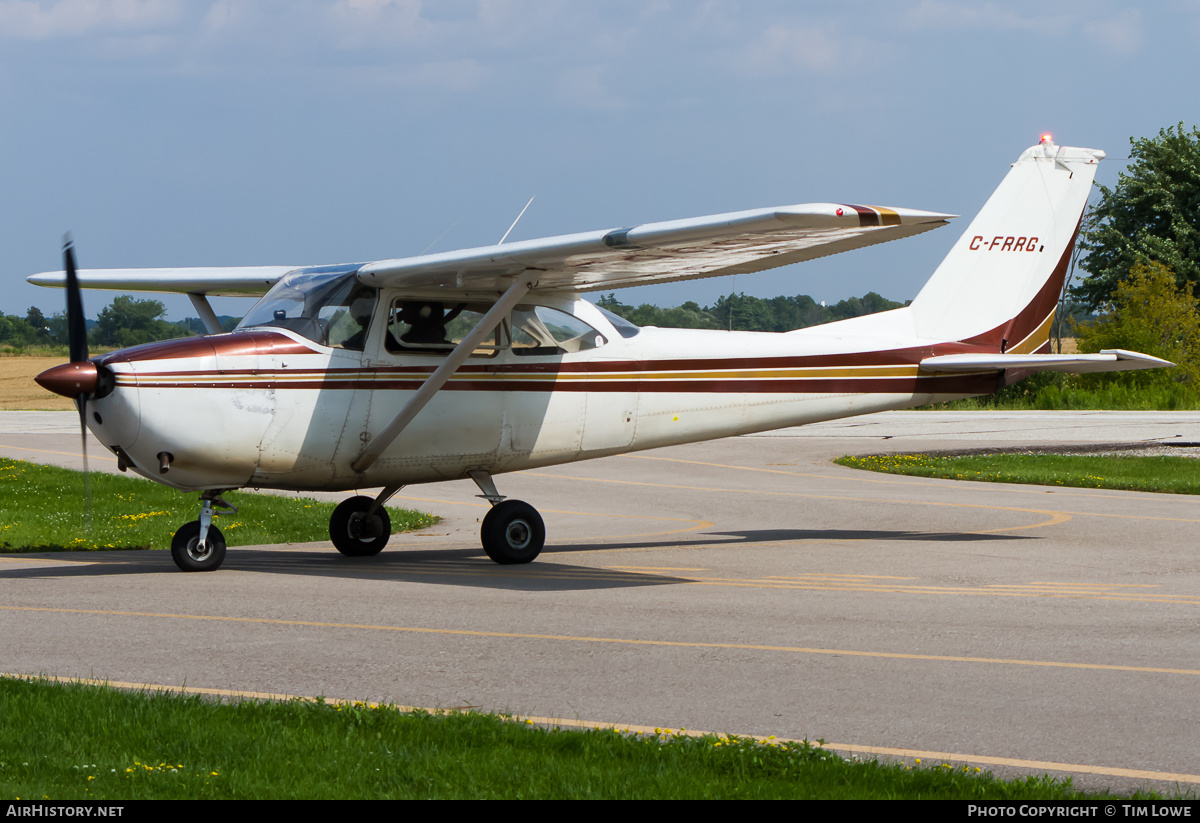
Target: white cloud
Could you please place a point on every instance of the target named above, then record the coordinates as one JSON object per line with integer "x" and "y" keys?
{"x": 1122, "y": 34}
{"x": 586, "y": 87}
{"x": 44, "y": 19}
{"x": 442, "y": 75}
{"x": 944, "y": 14}
{"x": 362, "y": 23}
{"x": 226, "y": 16}
{"x": 783, "y": 48}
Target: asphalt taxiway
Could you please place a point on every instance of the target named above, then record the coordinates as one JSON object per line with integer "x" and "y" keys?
{"x": 746, "y": 585}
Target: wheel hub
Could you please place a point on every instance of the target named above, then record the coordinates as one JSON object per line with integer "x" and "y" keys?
{"x": 364, "y": 528}
{"x": 198, "y": 553}
{"x": 518, "y": 534}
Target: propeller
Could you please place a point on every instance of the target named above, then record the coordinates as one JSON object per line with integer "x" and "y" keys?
{"x": 78, "y": 349}
{"x": 82, "y": 380}
{"x": 76, "y": 323}
{"x": 79, "y": 378}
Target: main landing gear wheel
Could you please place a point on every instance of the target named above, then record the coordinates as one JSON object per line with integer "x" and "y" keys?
{"x": 186, "y": 551}
{"x": 513, "y": 532}
{"x": 354, "y": 533}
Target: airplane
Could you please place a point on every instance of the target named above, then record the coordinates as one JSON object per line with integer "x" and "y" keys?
{"x": 473, "y": 363}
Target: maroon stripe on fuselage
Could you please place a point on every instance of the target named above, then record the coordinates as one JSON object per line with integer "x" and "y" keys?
{"x": 895, "y": 358}
{"x": 226, "y": 345}
{"x": 937, "y": 384}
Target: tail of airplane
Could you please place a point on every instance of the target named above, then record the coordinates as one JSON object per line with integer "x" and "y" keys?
{"x": 999, "y": 286}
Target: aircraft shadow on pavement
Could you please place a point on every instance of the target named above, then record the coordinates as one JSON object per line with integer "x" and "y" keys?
{"x": 457, "y": 566}
{"x": 441, "y": 566}
{"x": 749, "y": 536}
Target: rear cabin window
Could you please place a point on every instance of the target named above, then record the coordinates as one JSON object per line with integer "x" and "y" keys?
{"x": 538, "y": 330}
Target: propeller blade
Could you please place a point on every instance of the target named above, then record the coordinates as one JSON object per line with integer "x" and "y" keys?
{"x": 78, "y": 348}
{"x": 76, "y": 322}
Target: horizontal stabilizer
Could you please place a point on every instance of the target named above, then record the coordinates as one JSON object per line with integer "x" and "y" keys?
{"x": 1106, "y": 360}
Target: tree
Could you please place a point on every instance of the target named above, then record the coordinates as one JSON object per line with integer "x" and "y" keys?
{"x": 1153, "y": 215}
{"x": 128, "y": 321}
{"x": 16, "y": 331}
{"x": 1149, "y": 312}
{"x": 37, "y": 322}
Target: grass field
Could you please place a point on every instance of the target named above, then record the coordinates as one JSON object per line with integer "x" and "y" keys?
{"x": 45, "y": 509}
{"x": 17, "y": 389}
{"x": 1169, "y": 474}
{"x": 74, "y": 742}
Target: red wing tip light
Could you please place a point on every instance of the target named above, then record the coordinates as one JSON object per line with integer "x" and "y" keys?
{"x": 70, "y": 379}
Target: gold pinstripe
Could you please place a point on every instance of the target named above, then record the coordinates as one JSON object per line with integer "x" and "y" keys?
{"x": 862, "y": 372}
{"x": 1035, "y": 338}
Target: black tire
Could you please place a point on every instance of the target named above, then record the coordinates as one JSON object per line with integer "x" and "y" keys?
{"x": 513, "y": 532}
{"x": 185, "y": 548}
{"x": 353, "y": 534}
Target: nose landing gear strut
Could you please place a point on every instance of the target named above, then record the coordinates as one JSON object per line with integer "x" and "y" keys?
{"x": 199, "y": 546}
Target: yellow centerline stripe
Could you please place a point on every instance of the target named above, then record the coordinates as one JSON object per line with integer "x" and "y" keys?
{"x": 900, "y": 480}
{"x": 621, "y": 641}
{"x": 1055, "y": 516}
{"x": 619, "y": 573}
{"x": 575, "y": 723}
{"x": 99, "y": 456}
{"x": 982, "y": 486}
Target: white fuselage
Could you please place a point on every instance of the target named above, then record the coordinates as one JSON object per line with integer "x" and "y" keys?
{"x": 268, "y": 408}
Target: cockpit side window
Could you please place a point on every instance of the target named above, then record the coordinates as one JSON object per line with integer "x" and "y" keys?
{"x": 431, "y": 327}
{"x": 434, "y": 327}
{"x": 346, "y": 325}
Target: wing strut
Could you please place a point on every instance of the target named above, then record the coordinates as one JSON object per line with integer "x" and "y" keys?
{"x": 207, "y": 315}
{"x": 519, "y": 288}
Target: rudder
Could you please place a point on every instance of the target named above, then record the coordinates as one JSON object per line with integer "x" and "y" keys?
{"x": 999, "y": 285}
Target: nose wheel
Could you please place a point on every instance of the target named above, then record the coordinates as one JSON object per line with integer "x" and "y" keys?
{"x": 192, "y": 556}
{"x": 199, "y": 546}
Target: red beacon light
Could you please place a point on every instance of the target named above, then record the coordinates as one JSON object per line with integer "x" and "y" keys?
{"x": 1047, "y": 137}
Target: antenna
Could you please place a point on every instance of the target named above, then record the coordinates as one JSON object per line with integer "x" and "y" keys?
{"x": 514, "y": 225}
{"x": 440, "y": 236}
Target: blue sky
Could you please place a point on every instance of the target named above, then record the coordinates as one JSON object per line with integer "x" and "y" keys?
{"x": 238, "y": 132}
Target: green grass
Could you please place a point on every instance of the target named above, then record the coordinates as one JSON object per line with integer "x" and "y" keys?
{"x": 1173, "y": 475}
{"x": 1056, "y": 392}
{"x": 70, "y": 742}
{"x": 45, "y": 510}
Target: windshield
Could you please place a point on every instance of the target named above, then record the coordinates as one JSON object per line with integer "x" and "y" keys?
{"x": 328, "y": 306}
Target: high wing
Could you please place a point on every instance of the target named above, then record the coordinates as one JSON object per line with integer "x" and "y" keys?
{"x": 732, "y": 243}
{"x": 239, "y": 281}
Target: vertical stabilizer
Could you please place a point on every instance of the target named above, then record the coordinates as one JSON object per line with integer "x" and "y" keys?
{"x": 1000, "y": 284}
